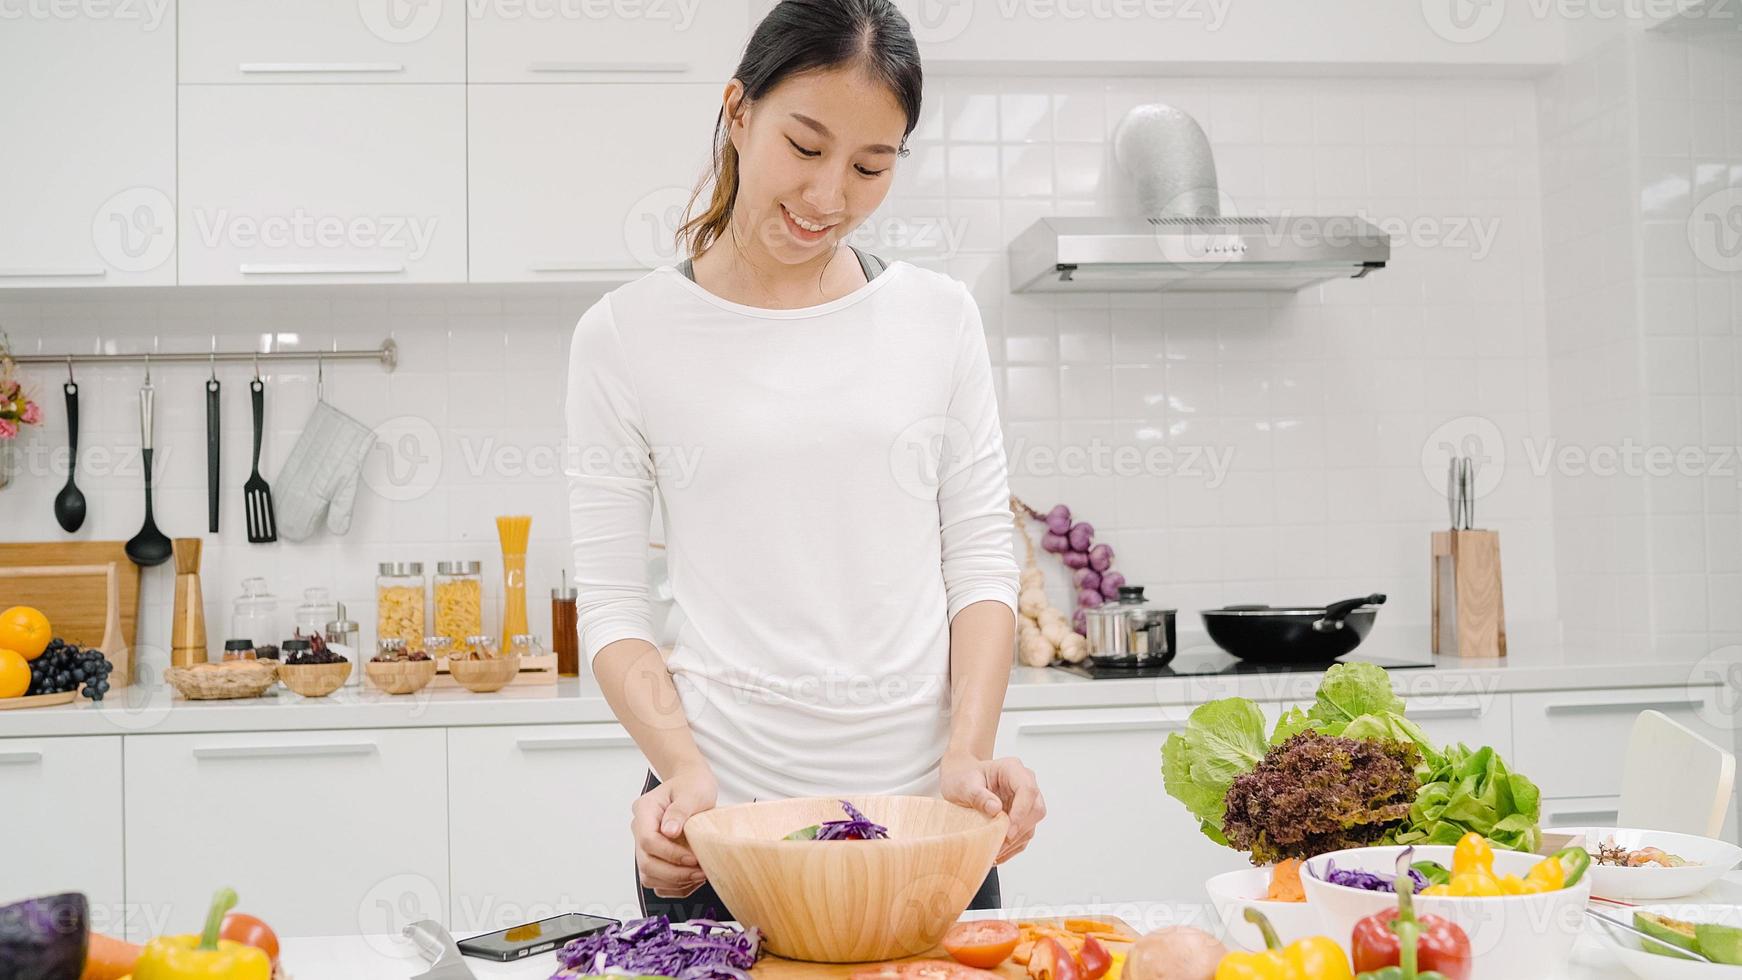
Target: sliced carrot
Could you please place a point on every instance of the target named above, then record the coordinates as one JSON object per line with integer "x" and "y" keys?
{"x": 108, "y": 958}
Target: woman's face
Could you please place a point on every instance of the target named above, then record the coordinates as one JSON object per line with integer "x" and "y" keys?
{"x": 815, "y": 158}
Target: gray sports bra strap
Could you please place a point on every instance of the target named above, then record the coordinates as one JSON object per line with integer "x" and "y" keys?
{"x": 870, "y": 264}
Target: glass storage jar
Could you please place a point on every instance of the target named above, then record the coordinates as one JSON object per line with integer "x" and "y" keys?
{"x": 317, "y": 610}
{"x": 254, "y": 616}
{"x": 400, "y": 596}
{"x": 459, "y": 599}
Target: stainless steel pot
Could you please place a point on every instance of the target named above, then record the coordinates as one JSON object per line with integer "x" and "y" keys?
{"x": 1130, "y": 632}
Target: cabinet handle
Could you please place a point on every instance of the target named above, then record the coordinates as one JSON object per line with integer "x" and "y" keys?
{"x": 1585, "y": 818}
{"x": 317, "y": 269}
{"x": 317, "y": 67}
{"x": 1602, "y": 707}
{"x": 557, "y": 743}
{"x": 598, "y": 67}
{"x": 1447, "y": 711}
{"x": 578, "y": 266}
{"x": 285, "y": 751}
{"x": 69, "y": 273}
{"x": 1098, "y": 727}
{"x": 20, "y": 758}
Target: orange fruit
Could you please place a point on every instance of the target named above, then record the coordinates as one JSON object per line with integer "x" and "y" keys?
{"x": 14, "y": 674}
{"x": 26, "y": 630}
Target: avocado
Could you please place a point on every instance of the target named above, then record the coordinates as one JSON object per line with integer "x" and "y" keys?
{"x": 1720, "y": 943}
{"x": 1682, "y": 935}
{"x": 805, "y": 833}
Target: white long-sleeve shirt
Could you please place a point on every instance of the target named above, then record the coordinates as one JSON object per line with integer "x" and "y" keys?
{"x": 834, "y": 490}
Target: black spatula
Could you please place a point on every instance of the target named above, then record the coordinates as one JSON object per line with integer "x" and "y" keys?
{"x": 256, "y": 494}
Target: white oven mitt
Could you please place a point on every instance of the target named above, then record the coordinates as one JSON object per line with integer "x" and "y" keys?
{"x": 321, "y": 474}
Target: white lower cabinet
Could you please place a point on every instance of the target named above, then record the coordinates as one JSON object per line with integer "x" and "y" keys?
{"x": 320, "y": 833}
{"x": 1112, "y": 834}
{"x": 1572, "y": 742}
{"x": 1581, "y": 811}
{"x": 64, "y": 795}
{"x": 568, "y": 789}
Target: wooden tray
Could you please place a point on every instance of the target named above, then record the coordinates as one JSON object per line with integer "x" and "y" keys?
{"x": 776, "y": 968}
{"x": 57, "y": 588}
{"x": 39, "y": 700}
{"x": 77, "y": 612}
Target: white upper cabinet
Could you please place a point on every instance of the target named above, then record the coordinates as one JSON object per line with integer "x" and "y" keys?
{"x": 323, "y": 41}
{"x": 1175, "y": 35}
{"x": 87, "y": 145}
{"x": 323, "y": 183}
{"x": 606, "y": 40}
{"x": 582, "y": 182}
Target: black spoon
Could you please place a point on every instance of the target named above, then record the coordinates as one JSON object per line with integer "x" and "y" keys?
{"x": 149, "y": 547}
{"x": 69, "y": 504}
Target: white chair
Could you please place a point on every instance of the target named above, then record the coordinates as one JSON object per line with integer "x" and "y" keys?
{"x": 1674, "y": 780}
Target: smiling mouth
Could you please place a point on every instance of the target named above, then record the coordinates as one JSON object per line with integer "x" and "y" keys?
{"x": 805, "y": 229}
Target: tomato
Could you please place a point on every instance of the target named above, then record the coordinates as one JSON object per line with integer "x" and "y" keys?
{"x": 1052, "y": 961}
{"x": 983, "y": 944}
{"x": 1094, "y": 958}
{"x": 250, "y": 931}
{"x": 923, "y": 970}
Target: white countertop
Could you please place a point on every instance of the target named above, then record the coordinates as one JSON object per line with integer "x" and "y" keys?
{"x": 393, "y": 958}
{"x": 155, "y": 709}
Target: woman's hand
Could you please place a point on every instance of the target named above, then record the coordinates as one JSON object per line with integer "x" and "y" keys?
{"x": 664, "y": 858}
{"x": 999, "y": 785}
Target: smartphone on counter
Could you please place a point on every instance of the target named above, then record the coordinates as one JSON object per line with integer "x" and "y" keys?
{"x": 533, "y": 938}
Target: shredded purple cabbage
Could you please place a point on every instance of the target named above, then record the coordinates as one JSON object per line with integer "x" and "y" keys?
{"x": 651, "y": 946}
{"x": 856, "y": 827}
{"x": 1370, "y": 881}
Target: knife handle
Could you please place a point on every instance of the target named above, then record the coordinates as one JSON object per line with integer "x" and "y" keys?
{"x": 212, "y": 482}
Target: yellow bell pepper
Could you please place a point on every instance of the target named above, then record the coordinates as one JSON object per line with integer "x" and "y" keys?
{"x": 1549, "y": 875}
{"x": 205, "y": 956}
{"x": 1474, "y": 884}
{"x": 1315, "y": 958}
{"x": 1473, "y": 854}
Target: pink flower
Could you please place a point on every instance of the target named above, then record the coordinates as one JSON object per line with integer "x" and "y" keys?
{"x": 32, "y": 414}
{"x": 8, "y": 429}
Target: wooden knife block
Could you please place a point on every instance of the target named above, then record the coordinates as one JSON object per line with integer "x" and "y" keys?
{"x": 187, "y": 642}
{"x": 1469, "y": 611}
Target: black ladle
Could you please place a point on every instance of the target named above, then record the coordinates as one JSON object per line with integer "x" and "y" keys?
{"x": 150, "y": 546}
{"x": 69, "y": 504}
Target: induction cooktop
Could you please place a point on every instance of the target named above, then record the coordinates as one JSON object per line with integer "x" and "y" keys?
{"x": 1197, "y": 663}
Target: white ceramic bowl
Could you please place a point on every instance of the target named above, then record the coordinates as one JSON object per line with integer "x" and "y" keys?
{"x": 1232, "y": 893}
{"x": 1512, "y": 937}
{"x": 1713, "y": 860}
{"x": 1650, "y": 966}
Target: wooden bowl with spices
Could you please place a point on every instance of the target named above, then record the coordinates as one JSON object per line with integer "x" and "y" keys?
{"x": 314, "y": 680}
{"x": 484, "y": 676}
{"x": 400, "y": 676}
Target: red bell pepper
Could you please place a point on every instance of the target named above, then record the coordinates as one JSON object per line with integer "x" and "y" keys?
{"x": 1441, "y": 945}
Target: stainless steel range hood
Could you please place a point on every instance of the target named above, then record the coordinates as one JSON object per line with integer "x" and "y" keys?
{"x": 1182, "y": 233}
{"x": 1222, "y": 254}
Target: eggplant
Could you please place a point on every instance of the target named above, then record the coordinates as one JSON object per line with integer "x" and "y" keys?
{"x": 45, "y": 938}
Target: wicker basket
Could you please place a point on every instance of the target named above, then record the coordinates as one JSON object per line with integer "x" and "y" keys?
{"x": 217, "y": 682}
{"x": 400, "y": 676}
{"x": 484, "y": 676}
{"x": 314, "y": 680}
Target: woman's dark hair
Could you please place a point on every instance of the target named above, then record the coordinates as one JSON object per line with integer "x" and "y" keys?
{"x": 800, "y": 36}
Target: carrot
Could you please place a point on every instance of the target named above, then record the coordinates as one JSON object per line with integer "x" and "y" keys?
{"x": 1285, "y": 883}
{"x": 108, "y": 958}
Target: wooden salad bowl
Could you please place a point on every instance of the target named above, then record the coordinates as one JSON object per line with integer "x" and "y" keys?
{"x": 484, "y": 676}
{"x": 847, "y": 901}
{"x": 314, "y": 680}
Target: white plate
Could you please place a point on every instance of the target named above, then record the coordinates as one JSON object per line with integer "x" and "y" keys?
{"x": 1650, "y": 966}
{"x": 1234, "y": 892}
{"x": 1713, "y": 860}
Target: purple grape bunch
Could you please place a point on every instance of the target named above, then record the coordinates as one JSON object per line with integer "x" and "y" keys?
{"x": 1091, "y": 564}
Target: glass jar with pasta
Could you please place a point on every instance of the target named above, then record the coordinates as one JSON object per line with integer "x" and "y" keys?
{"x": 399, "y": 600}
{"x": 459, "y": 599}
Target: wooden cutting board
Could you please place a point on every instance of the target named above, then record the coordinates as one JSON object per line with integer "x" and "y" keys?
{"x": 75, "y": 607}
{"x": 774, "y": 968}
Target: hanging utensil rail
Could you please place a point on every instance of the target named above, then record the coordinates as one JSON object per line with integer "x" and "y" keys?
{"x": 387, "y": 354}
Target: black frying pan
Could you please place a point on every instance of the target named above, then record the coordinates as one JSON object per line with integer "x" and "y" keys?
{"x": 1293, "y": 634}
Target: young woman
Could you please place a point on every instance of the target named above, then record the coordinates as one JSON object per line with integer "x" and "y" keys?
{"x": 823, "y": 434}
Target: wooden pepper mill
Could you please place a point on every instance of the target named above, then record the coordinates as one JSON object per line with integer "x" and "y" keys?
{"x": 1469, "y": 610}
{"x": 188, "y": 629}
